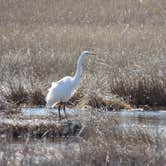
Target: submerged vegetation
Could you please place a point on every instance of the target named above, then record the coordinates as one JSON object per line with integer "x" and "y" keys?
{"x": 103, "y": 142}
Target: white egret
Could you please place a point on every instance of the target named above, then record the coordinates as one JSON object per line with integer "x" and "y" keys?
{"x": 62, "y": 90}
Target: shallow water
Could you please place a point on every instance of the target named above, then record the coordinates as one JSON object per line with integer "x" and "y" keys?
{"x": 151, "y": 121}
{"x": 140, "y": 124}
{"x": 136, "y": 116}
{"x": 45, "y": 111}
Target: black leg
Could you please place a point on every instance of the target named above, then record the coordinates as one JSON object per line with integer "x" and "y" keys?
{"x": 59, "y": 110}
{"x": 64, "y": 110}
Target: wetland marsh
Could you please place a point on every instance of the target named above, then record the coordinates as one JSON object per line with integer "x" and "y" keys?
{"x": 40, "y": 42}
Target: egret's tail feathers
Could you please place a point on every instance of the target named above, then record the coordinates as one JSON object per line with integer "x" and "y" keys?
{"x": 48, "y": 103}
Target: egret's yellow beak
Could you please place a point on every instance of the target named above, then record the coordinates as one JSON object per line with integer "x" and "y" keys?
{"x": 92, "y": 53}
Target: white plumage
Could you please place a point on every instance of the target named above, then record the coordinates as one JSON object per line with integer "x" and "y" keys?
{"x": 62, "y": 90}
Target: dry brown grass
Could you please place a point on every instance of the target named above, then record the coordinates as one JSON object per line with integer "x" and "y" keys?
{"x": 109, "y": 144}
{"x": 150, "y": 92}
{"x": 18, "y": 95}
{"x": 40, "y": 42}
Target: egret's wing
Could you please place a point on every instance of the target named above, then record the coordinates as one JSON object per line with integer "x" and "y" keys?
{"x": 55, "y": 84}
{"x": 73, "y": 92}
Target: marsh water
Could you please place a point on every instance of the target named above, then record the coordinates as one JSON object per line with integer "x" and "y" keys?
{"x": 152, "y": 122}
{"x": 126, "y": 117}
{"x": 139, "y": 123}
{"x": 136, "y": 121}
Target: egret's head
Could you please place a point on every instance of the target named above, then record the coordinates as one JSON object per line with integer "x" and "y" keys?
{"x": 88, "y": 53}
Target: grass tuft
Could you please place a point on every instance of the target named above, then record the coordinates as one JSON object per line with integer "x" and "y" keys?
{"x": 19, "y": 95}
{"x": 96, "y": 101}
{"x": 36, "y": 98}
{"x": 15, "y": 94}
{"x": 150, "y": 92}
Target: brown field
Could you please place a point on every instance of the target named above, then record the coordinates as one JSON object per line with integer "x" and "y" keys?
{"x": 41, "y": 41}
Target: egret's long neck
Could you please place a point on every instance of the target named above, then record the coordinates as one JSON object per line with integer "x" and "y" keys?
{"x": 78, "y": 73}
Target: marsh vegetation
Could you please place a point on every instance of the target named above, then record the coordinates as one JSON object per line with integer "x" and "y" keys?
{"x": 40, "y": 42}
